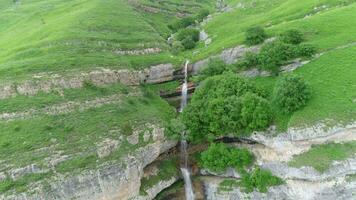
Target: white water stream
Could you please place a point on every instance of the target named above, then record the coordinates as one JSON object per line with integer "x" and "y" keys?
{"x": 189, "y": 194}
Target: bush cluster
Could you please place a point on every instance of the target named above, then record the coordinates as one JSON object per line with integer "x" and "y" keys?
{"x": 255, "y": 35}
{"x": 274, "y": 54}
{"x": 290, "y": 93}
{"x": 225, "y": 104}
{"x": 218, "y": 157}
{"x": 186, "y": 38}
{"x": 292, "y": 36}
{"x": 187, "y": 21}
{"x": 259, "y": 179}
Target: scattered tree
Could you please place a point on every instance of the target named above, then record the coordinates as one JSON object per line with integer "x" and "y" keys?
{"x": 291, "y": 93}
{"x": 292, "y": 36}
{"x": 255, "y": 35}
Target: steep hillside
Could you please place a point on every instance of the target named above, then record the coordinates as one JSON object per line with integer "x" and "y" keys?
{"x": 81, "y": 116}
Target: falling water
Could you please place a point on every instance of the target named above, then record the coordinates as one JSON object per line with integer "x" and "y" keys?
{"x": 189, "y": 194}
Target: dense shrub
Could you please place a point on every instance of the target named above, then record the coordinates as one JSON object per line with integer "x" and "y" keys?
{"x": 202, "y": 14}
{"x": 188, "y": 33}
{"x": 216, "y": 108}
{"x": 259, "y": 179}
{"x": 274, "y": 54}
{"x": 188, "y": 37}
{"x": 306, "y": 50}
{"x": 181, "y": 23}
{"x": 177, "y": 47}
{"x": 187, "y": 21}
{"x": 290, "y": 93}
{"x": 188, "y": 43}
{"x": 218, "y": 157}
{"x": 255, "y": 35}
{"x": 292, "y": 37}
{"x": 256, "y": 113}
{"x": 251, "y": 59}
{"x": 174, "y": 129}
{"x": 215, "y": 67}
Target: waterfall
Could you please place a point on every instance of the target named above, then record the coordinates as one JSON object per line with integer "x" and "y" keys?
{"x": 189, "y": 194}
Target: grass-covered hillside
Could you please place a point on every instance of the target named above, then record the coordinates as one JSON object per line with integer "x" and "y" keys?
{"x": 62, "y": 36}
{"x": 325, "y": 24}
{"x": 58, "y": 132}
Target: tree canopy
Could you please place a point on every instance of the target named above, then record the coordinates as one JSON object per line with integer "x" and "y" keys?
{"x": 225, "y": 104}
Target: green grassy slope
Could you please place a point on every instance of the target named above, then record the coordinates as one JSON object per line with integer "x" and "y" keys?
{"x": 322, "y": 156}
{"x": 327, "y": 27}
{"x": 331, "y": 79}
{"x": 41, "y": 36}
{"x": 61, "y": 36}
{"x": 326, "y": 24}
{"x": 75, "y": 134}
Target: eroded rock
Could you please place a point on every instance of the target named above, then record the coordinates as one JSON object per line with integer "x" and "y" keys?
{"x": 106, "y": 147}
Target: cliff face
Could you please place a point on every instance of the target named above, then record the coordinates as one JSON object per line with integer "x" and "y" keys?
{"x": 110, "y": 181}
{"x": 274, "y": 152}
{"x": 53, "y": 82}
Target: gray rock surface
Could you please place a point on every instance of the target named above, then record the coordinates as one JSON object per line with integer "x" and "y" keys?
{"x": 106, "y": 147}
{"x": 110, "y": 181}
{"x": 55, "y": 82}
{"x": 229, "y": 56}
{"x": 156, "y": 189}
{"x": 292, "y": 190}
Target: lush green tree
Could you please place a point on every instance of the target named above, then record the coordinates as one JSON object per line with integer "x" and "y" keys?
{"x": 292, "y": 36}
{"x": 188, "y": 33}
{"x": 188, "y": 37}
{"x": 218, "y": 157}
{"x": 188, "y": 43}
{"x": 256, "y": 112}
{"x": 255, "y": 35}
{"x": 274, "y": 54}
{"x": 290, "y": 93}
{"x": 218, "y": 108}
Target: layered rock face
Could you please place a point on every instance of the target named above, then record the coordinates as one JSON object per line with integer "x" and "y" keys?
{"x": 274, "y": 152}
{"x": 110, "y": 181}
{"x": 47, "y": 83}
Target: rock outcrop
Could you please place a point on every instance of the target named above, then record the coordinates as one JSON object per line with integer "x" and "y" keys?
{"x": 47, "y": 83}
{"x": 109, "y": 181}
{"x": 274, "y": 152}
{"x": 229, "y": 56}
{"x": 292, "y": 190}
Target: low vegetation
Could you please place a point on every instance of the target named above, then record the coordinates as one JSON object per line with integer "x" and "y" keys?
{"x": 259, "y": 179}
{"x": 188, "y": 21}
{"x": 214, "y": 67}
{"x": 277, "y": 53}
{"x": 167, "y": 170}
{"x": 219, "y": 157}
{"x": 322, "y": 156}
{"x": 255, "y": 35}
